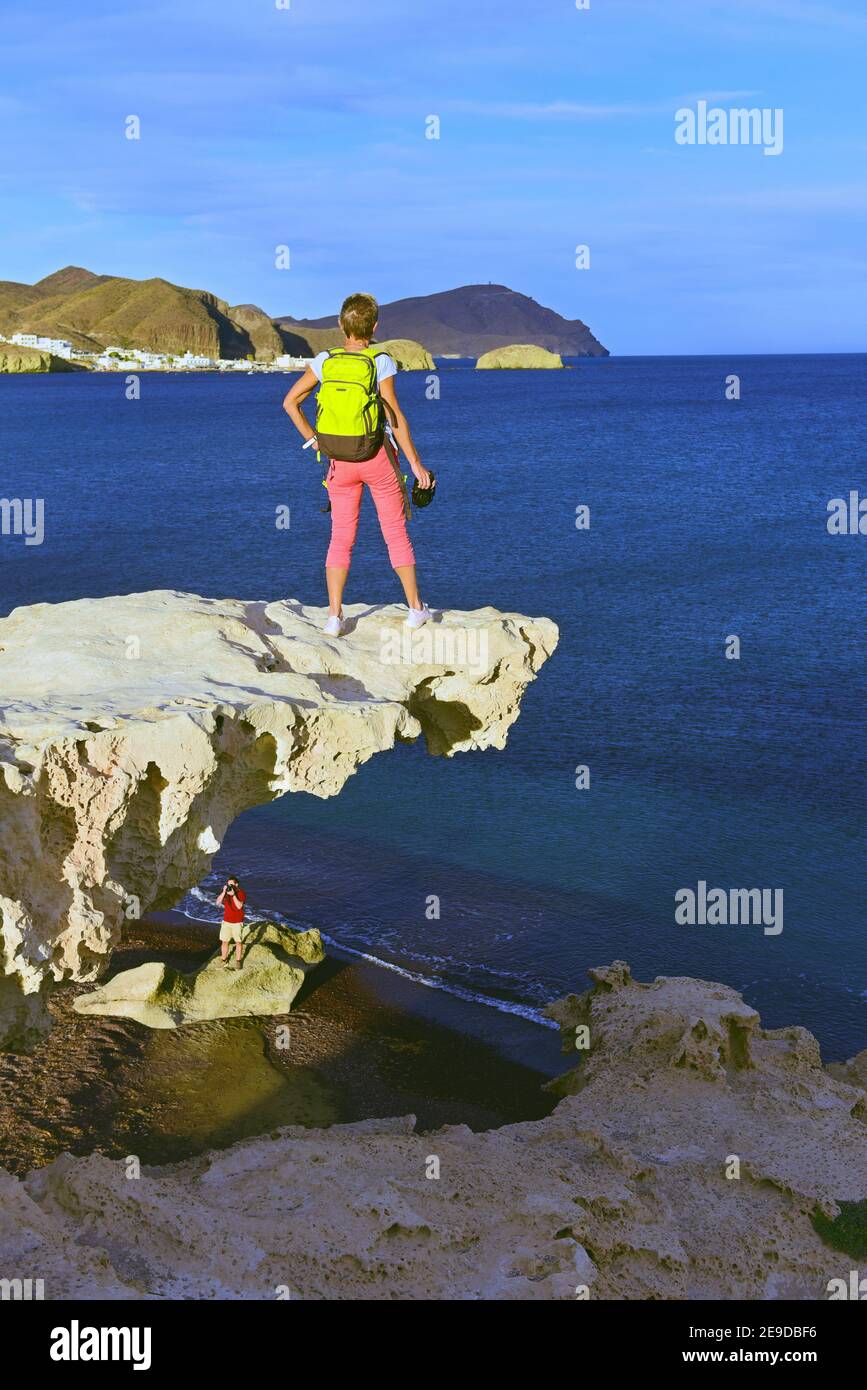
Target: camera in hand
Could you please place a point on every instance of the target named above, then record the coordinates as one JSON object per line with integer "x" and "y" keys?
{"x": 423, "y": 496}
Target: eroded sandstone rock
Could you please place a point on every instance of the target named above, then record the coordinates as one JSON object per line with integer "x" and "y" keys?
{"x": 626, "y": 1191}
{"x": 408, "y": 355}
{"x": 275, "y": 964}
{"x": 27, "y": 359}
{"x": 520, "y": 356}
{"x": 134, "y": 730}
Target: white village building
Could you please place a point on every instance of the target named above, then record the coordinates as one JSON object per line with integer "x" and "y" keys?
{"x": 59, "y": 346}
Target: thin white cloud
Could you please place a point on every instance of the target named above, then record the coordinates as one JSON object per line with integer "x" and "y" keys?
{"x": 554, "y": 110}
{"x": 832, "y": 198}
{"x": 588, "y": 111}
{"x": 718, "y": 96}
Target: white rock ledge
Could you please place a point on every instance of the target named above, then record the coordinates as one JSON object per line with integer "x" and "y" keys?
{"x": 134, "y": 730}
{"x": 688, "y": 1158}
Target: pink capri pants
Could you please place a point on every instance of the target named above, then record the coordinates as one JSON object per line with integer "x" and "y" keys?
{"x": 345, "y": 484}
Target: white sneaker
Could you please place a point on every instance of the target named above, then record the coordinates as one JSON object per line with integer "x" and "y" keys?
{"x": 419, "y": 616}
{"x": 334, "y": 626}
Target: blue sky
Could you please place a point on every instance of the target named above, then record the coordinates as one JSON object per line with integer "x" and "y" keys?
{"x": 305, "y": 127}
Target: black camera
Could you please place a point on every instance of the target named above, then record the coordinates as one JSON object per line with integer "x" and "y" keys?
{"x": 423, "y": 496}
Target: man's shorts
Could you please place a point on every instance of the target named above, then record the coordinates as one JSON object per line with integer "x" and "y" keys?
{"x": 233, "y": 931}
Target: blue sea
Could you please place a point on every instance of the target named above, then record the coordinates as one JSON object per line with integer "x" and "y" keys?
{"x": 707, "y": 520}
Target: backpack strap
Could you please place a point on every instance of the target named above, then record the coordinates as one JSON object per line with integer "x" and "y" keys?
{"x": 374, "y": 353}
{"x": 391, "y": 454}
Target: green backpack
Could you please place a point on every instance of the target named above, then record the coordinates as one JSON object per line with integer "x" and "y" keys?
{"x": 350, "y": 419}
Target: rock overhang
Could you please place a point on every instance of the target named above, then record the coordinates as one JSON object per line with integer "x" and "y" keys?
{"x": 135, "y": 729}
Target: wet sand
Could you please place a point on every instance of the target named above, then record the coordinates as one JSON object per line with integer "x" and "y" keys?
{"x": 360, "y": 1042}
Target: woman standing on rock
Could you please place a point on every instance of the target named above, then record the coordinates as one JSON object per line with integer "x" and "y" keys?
{"x": 356, "y": 392}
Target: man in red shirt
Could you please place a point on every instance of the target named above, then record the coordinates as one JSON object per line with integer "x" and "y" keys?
{"x": 232, "y": 899}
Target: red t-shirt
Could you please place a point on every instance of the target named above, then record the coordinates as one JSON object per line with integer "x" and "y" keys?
{"x": 231, "y": 913}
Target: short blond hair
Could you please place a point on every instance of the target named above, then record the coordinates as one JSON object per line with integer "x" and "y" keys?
{"x": 358, "y": 315}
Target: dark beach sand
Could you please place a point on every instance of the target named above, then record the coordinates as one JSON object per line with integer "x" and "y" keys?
{"x": 361, "y": 1042}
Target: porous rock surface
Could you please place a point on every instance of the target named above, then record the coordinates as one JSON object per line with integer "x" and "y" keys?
{"x": 519, "y": 356}
{"x": 274, "y": 965}
{"x": 408, "y": 355}
{"x": 628, "y": 1190}
{"x": 133, "y": 731}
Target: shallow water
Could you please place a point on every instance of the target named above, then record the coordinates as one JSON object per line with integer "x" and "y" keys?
{"x": 207, "y": 1085}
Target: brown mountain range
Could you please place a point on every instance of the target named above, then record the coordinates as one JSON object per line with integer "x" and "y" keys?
{"x": 471, "y": 320}
{"x": 99, "y": 311}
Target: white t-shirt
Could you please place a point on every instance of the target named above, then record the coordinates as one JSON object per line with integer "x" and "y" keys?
{"x": 385, "y": 366}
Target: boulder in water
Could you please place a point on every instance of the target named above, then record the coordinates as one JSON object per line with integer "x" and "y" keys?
{"x": 409, "y": 356}
{"x": 519, "y": 355}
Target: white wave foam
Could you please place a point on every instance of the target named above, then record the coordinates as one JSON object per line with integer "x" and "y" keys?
{"x": 459, "y": 992}
{"x": 470, "y": 996}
